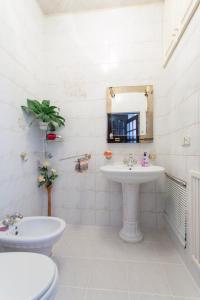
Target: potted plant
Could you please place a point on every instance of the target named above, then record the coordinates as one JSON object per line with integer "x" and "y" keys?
{"x": 46, "y": 178}
{"x": 47, "y": 115}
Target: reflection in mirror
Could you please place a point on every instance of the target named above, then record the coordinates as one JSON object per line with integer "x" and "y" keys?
{"x": 130, "y": 114}
{"x": 123, "y": 127}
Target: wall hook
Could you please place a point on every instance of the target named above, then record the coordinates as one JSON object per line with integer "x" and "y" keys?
{"x": 24, "y": 155}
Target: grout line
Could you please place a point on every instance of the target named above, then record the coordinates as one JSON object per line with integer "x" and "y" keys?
{"x": 176, "y": 105}
{"x": 88, "y": 283}
{"x": 125, "y": 291}
{"x": 136, "y": 260}
{"x": 128, "y": 277}
{"x": 85, "y": 294}
{"x": 85, "y": 290}
{"x": 190, "y": 275}
{"x": 126, "y": 261}
{"x": 184, "y": 265}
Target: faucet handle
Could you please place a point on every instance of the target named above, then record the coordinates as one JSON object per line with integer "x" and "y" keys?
{"x": 125, "y": 161}
{"x": 18, "y": 216}
{"x": 8, "y": 220}
{"x": 131, "y": 155}
{"x": 135, "y": 162}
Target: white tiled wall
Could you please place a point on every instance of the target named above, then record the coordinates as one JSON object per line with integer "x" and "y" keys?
{"x": 21, "y": 77}
{"x": 178, "y": 113}
{"x": 86, "y": 53}
{"x": 178, "y": 106}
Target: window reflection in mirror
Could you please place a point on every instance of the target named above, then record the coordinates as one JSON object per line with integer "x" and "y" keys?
{"x": 130, "y": 114}
{"x": 123, "y": 127}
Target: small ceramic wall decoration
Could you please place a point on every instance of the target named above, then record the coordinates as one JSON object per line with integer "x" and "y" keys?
{"x": 108, "y": 154}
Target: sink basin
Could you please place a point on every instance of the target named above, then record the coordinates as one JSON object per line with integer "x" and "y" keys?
{"x": 131, "y": 178}
{"x": 137, "y": 174}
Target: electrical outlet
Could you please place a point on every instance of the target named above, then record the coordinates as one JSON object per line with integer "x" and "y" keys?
{"x": 186, "y": 141}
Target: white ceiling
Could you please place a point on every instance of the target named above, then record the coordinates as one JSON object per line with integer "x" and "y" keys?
{"x": 67, "y": 6}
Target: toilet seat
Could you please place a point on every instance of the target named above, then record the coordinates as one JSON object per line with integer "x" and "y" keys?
{"x": 27, "y": 276}
{"x": 51, "y": 292}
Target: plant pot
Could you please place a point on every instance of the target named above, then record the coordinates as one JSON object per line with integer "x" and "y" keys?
{"x": 43, "y": 125}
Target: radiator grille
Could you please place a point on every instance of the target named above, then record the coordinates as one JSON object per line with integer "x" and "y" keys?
{"x": 195, "y": 215}
{"x": 176, "y": 209}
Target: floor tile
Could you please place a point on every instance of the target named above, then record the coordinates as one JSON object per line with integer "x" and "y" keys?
{"x": 106, "y": 295}
{"x": 181, "y": 282}
{"x": 167, "y": 252}
{"x": 60, "y": 248}
{"x": 109, "y": 275}
{"x": 73, "y": 249}
{"x": 149, "y": 297}
{"x": 143, "y": 251}
{"x": 148, "y": 278}
{"x": 152, "y": 235}
{"x": 184, "y": 298}
{"x": 94, "y": 263}
{"x": 73, "y": 272}
{"x": 92, "y": 232}
{"x": 65, "y": 293}
{"x": 113, "y": 248}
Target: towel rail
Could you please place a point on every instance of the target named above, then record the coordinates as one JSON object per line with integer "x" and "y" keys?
{"x": 86, "y": 156}
{"x": 177, "y": 180}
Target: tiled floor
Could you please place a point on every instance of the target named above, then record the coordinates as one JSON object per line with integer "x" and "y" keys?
{"x": 95, "y": 264}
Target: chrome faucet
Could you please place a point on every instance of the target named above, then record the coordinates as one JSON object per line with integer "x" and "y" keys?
{"x": 130, "y": 161}
{"x": 10, "y": 220}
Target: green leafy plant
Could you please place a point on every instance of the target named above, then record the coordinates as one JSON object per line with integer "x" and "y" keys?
{"x": 47, "y": 175}
{"x": 44, "y": 112}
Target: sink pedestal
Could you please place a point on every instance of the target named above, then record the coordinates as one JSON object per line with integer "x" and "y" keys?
{"x": 131, "y": 178}
{"x": 131, "y": 213}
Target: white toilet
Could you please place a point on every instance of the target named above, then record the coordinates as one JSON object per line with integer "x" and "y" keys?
{"x": 27, "y": 276}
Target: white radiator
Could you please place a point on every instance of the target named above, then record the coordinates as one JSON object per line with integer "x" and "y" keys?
{"x": 176, "y": 207}
{"x": 195, "y": 215}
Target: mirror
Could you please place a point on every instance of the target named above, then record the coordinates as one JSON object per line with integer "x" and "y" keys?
{"x": 130, "y": 114}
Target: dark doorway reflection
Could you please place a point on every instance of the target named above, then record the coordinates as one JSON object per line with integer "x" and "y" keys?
{"x": 123, "y": 127}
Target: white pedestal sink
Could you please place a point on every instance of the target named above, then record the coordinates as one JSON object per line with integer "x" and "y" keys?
{"x": 131, "y": 180}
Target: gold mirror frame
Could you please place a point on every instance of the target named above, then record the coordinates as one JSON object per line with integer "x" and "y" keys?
{"x": 147, "y": 90}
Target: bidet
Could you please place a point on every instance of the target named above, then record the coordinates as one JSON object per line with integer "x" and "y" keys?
{"x": 33, "y": 234}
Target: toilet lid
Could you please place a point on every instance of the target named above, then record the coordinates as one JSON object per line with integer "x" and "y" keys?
{"x": 25, "y": 276}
